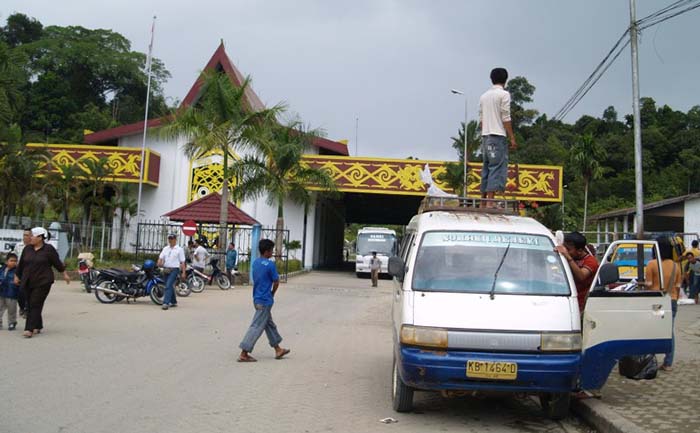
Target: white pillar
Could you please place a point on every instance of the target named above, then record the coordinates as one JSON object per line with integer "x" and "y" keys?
{"x": 597, "y": 232}
{"x": 615, "y": 229}
{"x": 607, "y": 229}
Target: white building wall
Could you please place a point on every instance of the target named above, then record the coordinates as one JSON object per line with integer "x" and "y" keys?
{"x": 691, "y": 218}
{"x": 173, "y": 190}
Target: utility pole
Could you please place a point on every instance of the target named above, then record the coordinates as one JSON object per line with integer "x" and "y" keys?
{"x": 639, "y": 188}
{"x": 149, "y": 61}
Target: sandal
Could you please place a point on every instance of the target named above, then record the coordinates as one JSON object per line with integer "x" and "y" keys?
{"x": 282, "y": 353}
{"x": 27, "y": 334}
{"x": 247, "y": 358}
{"x": 666, "y": 368}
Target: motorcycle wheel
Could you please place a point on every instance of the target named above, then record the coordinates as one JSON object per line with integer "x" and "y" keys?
{"x": 158, "y": 293}
{"x": 105, "y": 298}
{"x": 223, "y": 281}
{"x": 196, "y": 284}
{"x": 182, "y": 289}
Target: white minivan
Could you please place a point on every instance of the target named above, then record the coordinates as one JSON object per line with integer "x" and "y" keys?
{"x": 482, "y": 302}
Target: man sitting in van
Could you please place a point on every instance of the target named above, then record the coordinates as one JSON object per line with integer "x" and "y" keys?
{"x": 582, "y": 263}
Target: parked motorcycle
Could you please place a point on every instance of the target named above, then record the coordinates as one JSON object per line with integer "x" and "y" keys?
{"x": 87, "y": 274}
{"x": 112, "y": 285}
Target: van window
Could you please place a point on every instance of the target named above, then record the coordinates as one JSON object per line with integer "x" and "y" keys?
{"x": 467, "y": 261}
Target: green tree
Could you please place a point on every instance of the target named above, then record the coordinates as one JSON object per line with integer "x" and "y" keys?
{"x": 127, "y": 206}
{"x": 12, "y": 78}
{"x": 21, "y": 29}
{"x": 521, "y": 93}
{"x": 18, "y": 169}
{"x": 222, "y": 121}
{"x": 586, "y": 155}
{"x": 275, "y": 167}
{"x": 80, "y": 78}
{"x": 97, "y": 176}
{"x": 62, "y": 189}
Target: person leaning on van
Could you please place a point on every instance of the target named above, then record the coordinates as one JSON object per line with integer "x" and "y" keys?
{"x": 672, "y": 284}
{"x": 582, "y": 263}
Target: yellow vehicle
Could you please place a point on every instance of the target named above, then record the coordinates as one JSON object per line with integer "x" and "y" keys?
{"x": 625, "y": 256}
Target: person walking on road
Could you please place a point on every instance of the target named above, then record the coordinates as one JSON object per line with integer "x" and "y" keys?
{"x": 672, "y": 285}
{"x": 375, "y": 265}
{"x": 9, "y": 291}
{"x": 494, "y": 116}
{"x": 693, "y": 275}
{"x": 172, "y": 259}
{"x": 265, "y": 284}
{"x": 231, "y": 261}
{"x": 35, "y": 277}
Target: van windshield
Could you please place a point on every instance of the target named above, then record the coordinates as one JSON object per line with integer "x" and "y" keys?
{"x": 382, "y": 243}
{"x": 467, "y": 261}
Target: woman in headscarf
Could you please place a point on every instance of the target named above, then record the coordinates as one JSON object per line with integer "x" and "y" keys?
{"x": 35, "y": 277}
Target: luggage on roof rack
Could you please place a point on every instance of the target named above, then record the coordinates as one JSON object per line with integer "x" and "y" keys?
{"x": 469, "y": 204}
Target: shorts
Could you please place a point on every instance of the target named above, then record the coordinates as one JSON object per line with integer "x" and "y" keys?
{"x": 494, "y": 171}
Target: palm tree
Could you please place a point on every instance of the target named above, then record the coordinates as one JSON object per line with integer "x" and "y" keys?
{"x": 61, "y": 189}
{"x": 275, "y": 167}
{"x": 586, "y": 156}
{"x": 127, "y": 206}
{"x": 96, "y": 176}
{"x": 18, "y": 168}
{"x": 473, "y": 140}
{"x": 220, "y": 122}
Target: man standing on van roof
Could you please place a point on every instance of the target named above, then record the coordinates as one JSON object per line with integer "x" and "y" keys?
{"x": 494, "y": 116}
{"x": 583, "y": 265}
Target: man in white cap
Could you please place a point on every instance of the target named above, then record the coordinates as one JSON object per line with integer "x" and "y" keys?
{"x": 171, "y": 259}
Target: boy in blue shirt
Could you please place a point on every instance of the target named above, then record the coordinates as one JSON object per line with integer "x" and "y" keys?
{"x": 9, "y": 291}
{"x": 265, "y": 284}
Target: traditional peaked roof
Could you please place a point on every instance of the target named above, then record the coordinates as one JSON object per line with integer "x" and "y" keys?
{"x": 648, "y": 206}
{"x": 207, "y": 209}
{"x": 219, "y": 61}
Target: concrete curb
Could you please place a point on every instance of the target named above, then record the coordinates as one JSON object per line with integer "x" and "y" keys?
{"x": 603, "y": 417}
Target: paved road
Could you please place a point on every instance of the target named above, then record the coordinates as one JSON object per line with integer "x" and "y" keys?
{"x": 115, "y": 368}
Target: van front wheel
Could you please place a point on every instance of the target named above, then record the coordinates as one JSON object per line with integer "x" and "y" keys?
{"x": 402, "y": 395}
{"x": 556, "y": 405}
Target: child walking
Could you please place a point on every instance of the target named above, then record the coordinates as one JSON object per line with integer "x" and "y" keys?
{"x": 9, "y": 291}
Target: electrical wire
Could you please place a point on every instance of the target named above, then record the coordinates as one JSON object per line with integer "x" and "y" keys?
{"x": 673, "y": 10}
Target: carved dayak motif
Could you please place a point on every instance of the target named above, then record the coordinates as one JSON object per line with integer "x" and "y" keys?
{"x": 402, "y": 177}
{"x": 124, "y": 162}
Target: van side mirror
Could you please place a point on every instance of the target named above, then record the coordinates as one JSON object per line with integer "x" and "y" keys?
{"x": 607, "y": 274}
{"x": 397, "y": 268}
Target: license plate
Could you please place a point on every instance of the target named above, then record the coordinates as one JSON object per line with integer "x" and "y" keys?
{"x": 492, "y": 370}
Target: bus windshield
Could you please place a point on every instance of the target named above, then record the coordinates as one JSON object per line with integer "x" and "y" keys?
{"x": 382, "y": 243}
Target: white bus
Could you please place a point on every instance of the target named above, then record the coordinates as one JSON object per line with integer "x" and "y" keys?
{"x": 370, "y": 239}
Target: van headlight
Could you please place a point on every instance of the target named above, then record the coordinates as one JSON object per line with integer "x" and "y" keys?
{"x": 423, "y": 336}
{"x": 561, "y": 342}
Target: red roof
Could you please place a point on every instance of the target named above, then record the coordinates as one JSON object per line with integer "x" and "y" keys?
{"x": 218, "y": 59}
{"x": 207, "y": 209}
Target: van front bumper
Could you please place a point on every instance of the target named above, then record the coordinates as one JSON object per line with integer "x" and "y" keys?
{"x": 447, "y": 370}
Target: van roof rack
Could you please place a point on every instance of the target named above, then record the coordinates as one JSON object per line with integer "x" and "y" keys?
{"x": 470, "y": 204}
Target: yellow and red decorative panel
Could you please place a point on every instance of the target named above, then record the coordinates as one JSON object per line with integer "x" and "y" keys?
{"x": 124, "y": 162}
{"x": 402, "y": 177}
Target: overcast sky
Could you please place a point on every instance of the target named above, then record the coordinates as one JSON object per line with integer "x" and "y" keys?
{"x": 392, "y": 63}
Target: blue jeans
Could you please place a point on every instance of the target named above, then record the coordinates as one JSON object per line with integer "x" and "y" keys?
{"x": 262, "y": 321}
{"x": 694, "y": 285}
{"x": 169, "y": 297}
{"x": 668, "y": 359}
{"x": 494, "y": 171}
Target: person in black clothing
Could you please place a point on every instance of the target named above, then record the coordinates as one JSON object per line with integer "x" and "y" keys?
{"x": 35, "y": 277}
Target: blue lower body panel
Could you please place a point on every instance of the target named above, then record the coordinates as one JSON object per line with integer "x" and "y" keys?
{"x": 436, "y": 370}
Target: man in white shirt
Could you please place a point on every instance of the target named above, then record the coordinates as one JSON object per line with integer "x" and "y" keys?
{"x": 375, "y": 265}
{"x": 199, "y": 256}
{"x": 172, "y": 259}
{"x": 494, "y": 115}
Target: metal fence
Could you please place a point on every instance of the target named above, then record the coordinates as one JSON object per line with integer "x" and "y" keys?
{"x": 72, "y": 238}
{"x": 152, "y": 236}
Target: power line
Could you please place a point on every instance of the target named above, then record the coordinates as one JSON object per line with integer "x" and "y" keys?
{"x": 673, "y": 10}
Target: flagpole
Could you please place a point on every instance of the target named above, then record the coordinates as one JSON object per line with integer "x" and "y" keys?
{"x": 149, "y": 62}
